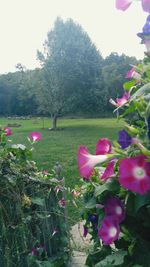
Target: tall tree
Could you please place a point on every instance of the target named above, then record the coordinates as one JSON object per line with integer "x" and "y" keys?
{"x": 71, "y": 68}
{"x": 114, "y": 70}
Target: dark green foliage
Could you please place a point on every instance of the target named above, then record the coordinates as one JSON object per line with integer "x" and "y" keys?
{"x": 32, "y": 223}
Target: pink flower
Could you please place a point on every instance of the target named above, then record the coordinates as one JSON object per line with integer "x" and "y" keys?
{"x": 55, "y": 231}
{"x": 8, "y": 131}
{"x": 86, "y": 162}
{"x": 132, "y": 73}
{"x": 124, "y": 4}
{"x": 99, "y": 206}
{"x": 33, "y": 251}
{"x": 109, "y": 171}
{"x": 135, "y": 174}
{"x": 75, "y": 193}
{"x": 45, "y": 172}
{"x": 62, "y": 202}
{"x": 58, "y": 188}
{"x": 114, "y": 207}
{"x": 109, "y": 230}
{"x": 103, "y": 146}
{"x": 35, "y": 136}
{"x": 120, "y": 101}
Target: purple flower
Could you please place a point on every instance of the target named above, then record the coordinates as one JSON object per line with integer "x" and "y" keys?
{"x": 124, "y": 139}
{"x": 85, "y": 231}
{"x": 114, "y": 206}
{"x": 109, "y": 230}
{"x": 145, "y": 34}
{"x": 93, "y": 218}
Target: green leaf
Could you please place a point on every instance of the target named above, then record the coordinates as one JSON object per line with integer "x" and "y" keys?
{"x": 38, "y": 201}
{"x": 91, "y": 203}
{"x": 114, "y": 259}
{"x": 137, "y": 265}
{"x": 141, "y": 92}
{"x": 129, "y": 110}
{"x": 110, "y": 185}
{"x": 128, "y": 85}
{"x": 141, "y": 201}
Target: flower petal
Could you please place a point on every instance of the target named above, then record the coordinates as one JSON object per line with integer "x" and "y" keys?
{"x": 124, "y": 139}
{"x": 109, "y": 171}
{"x": 35, "y": 136}
{"x": 86, "y": 162}
{"x": 123, "y": 4}
{"x": 114, "y": 207}
{"x": 109, "y": 230}
{"x": 103, "y": 146}
{"x": 146, "y": 5}
{"x": 121, "y": 101}
{"x": 135, "y": 174}
{"x": 8, "y": 131}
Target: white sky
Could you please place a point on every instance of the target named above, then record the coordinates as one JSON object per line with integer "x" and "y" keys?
{"x": 24, "y": 25}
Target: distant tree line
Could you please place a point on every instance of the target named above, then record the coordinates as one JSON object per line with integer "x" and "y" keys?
{"x": 74, "y": 79}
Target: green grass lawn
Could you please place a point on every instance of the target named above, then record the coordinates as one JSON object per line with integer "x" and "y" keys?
{"x": 61, "y": 146}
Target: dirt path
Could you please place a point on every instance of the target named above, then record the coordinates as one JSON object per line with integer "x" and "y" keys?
{"x": 80, "y": 245}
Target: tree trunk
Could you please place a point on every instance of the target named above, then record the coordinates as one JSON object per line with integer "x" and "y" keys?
{"x": 54, "y": 122}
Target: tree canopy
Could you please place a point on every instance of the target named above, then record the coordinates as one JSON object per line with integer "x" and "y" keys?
{"x": 74, "y": 79}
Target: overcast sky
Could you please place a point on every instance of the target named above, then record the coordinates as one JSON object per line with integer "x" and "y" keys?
{"x": 24, "y": 25}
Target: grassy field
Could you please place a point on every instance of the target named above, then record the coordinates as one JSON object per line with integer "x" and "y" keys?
{"x": 61, "y": 146}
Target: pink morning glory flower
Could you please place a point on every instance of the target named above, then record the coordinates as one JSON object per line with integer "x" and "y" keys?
{"x": 87, "y": 161}
{"x": 62, "y": 202}
{"x": 135, "y": 174}
{"x": 124, "y": 4}
{"x": 120, "y": 101}
{"x": 35, "y": 136}
{"x": 109, "y": 171}
{"x": 114, "y": 206}
{"x": 8, "y": 131}
{"x": 109, "y": 230}
{"x": 103, "y": 146}
{"x": 132, "y": 73}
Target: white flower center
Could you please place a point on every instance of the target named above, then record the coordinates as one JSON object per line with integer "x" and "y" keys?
{"x": 118, "y": 210}
{"x": 139, "y": 173}
{"x": 112, "y": 231}
{"x": 34, "y": 137}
